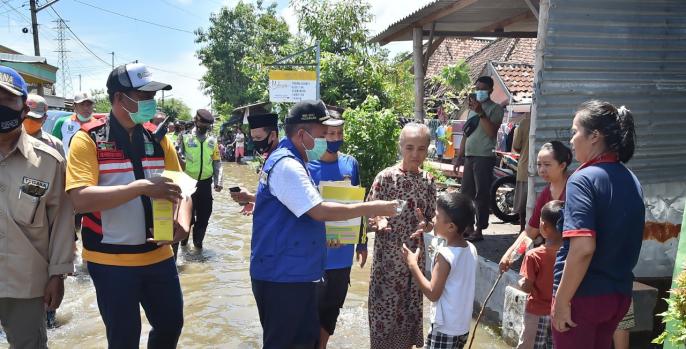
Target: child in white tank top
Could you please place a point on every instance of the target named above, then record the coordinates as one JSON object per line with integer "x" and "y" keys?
{"x": 452, "y": 285}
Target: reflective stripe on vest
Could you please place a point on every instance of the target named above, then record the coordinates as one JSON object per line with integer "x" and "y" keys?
{"x": 119, "y": 230}
{"x": 284, "y": 248}
{"x": 198, "y": 156}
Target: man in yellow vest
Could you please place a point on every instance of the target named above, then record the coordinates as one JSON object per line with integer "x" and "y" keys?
{"x": 202, "y": 162}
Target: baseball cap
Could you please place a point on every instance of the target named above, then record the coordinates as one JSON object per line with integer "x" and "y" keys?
{"x": 12, "y": 82}
{"x": 307, "y": 112}
{"x": 335, "y": 119}
{"x": 133, "y": 76}
{"x": 263, "y": 120}
{"x": 38, "y": 106}
{"x": 83, "y": 96}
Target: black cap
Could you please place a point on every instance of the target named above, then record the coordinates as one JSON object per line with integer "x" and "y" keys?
{"x": 205, "y": 115}
{"x": 263, "y": 120}
{"x": 307, "y": 112}
{"x": 133, "y": 76}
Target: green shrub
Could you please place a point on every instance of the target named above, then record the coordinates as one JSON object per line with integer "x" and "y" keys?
{"x": 371, "y": 136}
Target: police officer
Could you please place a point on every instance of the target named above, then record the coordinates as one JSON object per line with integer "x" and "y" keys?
{"x": 202, "y": 162}
{"x": 264, "y": 132}
{"x": 36, "y": 222}
{"x": 288, "y": 247}
{"x": 36, "y": 117}
{"x": 112, "y": 177}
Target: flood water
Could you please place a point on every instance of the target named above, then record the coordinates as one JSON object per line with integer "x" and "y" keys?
{"x": 219, "y": 309}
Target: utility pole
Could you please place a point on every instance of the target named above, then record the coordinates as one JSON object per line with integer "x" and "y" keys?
{"x": 112, "y": 53}
{"x": 80, "y": 83}
{"x": 34, "y": 27}
{"x": 62, "y": 60}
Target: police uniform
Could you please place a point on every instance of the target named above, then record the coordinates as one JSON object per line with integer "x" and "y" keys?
{"x": 36, "y": 237}
{"x": 200, "y": 154}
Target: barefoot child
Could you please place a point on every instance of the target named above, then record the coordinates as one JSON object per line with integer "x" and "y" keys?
{"x": 537, "y": 280}
{"x": 451, "y": 289}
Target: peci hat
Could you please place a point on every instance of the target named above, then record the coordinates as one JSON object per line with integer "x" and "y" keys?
{"x": 83, "y": 96}
{"x": 307, "y": 112}
{"x": 263, "y": 120}
{"x": 12, "y": 82}
{"x": 38, "y": 105}
{"x": 133, "y": 76}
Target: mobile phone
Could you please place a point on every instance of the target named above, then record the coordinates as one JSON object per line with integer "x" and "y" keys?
{"x": 472, "y": 96}
{"x": 235, "y": 189}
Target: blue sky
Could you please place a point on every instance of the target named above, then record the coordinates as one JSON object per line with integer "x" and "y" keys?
{"x": 170, "y": 52}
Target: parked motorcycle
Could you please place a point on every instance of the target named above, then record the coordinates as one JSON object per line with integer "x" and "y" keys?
{"x": 502, "y": 194}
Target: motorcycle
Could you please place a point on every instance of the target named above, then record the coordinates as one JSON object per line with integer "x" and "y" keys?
{"x": 502, "y": 195}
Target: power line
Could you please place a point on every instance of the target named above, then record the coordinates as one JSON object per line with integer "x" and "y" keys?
{"x": 135, "y": 19}
{"x": 181, "y": 9}
{"x": 77, "y": 38}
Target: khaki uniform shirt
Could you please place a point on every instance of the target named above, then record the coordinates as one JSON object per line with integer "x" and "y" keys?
{"x": 521, "y": 142}
{"x": 51, "y": 140}
{"x": 36, "y": 231}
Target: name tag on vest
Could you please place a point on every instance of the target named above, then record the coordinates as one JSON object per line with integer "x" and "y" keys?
{"x": 108, "y": 151}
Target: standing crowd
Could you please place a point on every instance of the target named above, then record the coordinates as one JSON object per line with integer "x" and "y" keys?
{"x": 105, "y": 170}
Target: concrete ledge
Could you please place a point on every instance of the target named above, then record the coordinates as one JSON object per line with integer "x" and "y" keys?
{"x": 486, "y": 274}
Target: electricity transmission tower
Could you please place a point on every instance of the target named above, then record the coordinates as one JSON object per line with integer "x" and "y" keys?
{"x": 62, "y": 60}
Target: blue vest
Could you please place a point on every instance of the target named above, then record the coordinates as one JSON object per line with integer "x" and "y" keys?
{"x": 284, "y": 248}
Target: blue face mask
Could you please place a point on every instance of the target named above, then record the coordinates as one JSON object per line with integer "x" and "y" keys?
{"x": 481, "y": 95}
{"x": 317, "y": 150}
{"x": 333, "y": 147}
{"x": 146, "y": 110}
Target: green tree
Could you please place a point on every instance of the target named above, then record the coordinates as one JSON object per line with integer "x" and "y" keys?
{"x": 340, "y": 26}
{"x": 175, "y": 108}
{"x": 371, "y": 136}
{"x": 237, "y": 47}
{"x": 102, "y": 101}
{"x": 346, "y": 81}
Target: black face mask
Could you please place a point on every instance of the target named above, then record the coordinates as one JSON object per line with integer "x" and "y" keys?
{"x": 262, "y": 146}
{"x": 10, "y": 119}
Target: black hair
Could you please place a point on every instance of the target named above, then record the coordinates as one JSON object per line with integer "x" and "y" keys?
{"x": 486, "y": 80}
{"x": 292, "y": 129}
{"x": 552, "y": 212}
{"x": 270, "y": 129}
{"x": 460, "y": 209}
{"x": 561, "y": 152}
{"x": 615, "y": 124}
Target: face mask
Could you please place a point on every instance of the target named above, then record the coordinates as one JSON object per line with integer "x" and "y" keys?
{"x": 262, "y": 146}
{"x": 317, "y": 150}
{"x": 83, "y": 118}
{"x": 10, "y": 119}
{"x": 333, "y": 147}
{"x": 481, "y": 95}
{"x": 146, "y": 110}
{"x": 32, "y": 125}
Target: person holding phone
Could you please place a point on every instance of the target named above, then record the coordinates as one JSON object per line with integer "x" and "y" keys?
{"x": 477, "y": 152}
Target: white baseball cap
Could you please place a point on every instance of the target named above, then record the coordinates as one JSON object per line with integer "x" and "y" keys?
{"x": 83, "y": 96}
{"x": 38, "y": 106}
{"x": 133, "y": 76}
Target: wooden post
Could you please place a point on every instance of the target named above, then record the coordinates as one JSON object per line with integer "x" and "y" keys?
{"x": 417, "y": 36}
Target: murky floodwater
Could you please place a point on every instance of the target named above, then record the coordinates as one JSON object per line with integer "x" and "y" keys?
{"x": 219, "y": 310}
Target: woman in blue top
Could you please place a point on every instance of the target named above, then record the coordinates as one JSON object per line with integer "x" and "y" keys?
{"x": 603, "y": 230}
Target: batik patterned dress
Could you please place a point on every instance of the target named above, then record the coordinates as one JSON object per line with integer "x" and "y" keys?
{"x": 395, "y": 300}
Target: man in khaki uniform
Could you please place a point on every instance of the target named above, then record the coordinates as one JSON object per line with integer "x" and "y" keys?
{"x": 36, "y": 224}
{"x": 36, "y": 117}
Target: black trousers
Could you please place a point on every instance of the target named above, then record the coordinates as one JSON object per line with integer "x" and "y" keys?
{"x": 476, "y": 183}
{"x": 202, "y": 209}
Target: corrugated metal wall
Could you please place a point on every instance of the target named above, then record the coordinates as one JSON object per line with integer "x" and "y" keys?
{"x": 628, "y": 52}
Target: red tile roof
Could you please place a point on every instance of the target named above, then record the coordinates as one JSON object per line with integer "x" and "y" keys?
{"x": 452, "y": 50}
{"x": 518, "y": 78}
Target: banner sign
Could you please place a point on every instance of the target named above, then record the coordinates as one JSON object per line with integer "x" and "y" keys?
{"x": 292, "y": 86}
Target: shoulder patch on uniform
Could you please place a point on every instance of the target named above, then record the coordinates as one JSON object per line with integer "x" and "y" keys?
{"x": 40, "y": 146}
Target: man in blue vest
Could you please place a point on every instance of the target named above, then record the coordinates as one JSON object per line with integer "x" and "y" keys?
{"x": 288, "y": 246}
{"x": 203, "y": 163}
{"x": 336, "y": 166}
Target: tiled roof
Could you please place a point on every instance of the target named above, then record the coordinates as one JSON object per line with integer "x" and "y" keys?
{"x": 524, "y": 51}
{"x": 452, "y": 50}
{"x": 497, "y": 51}
{"x": 518, "y": 78}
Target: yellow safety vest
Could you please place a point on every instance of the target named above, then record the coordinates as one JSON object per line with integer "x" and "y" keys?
{"x": 199, "y": 156}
